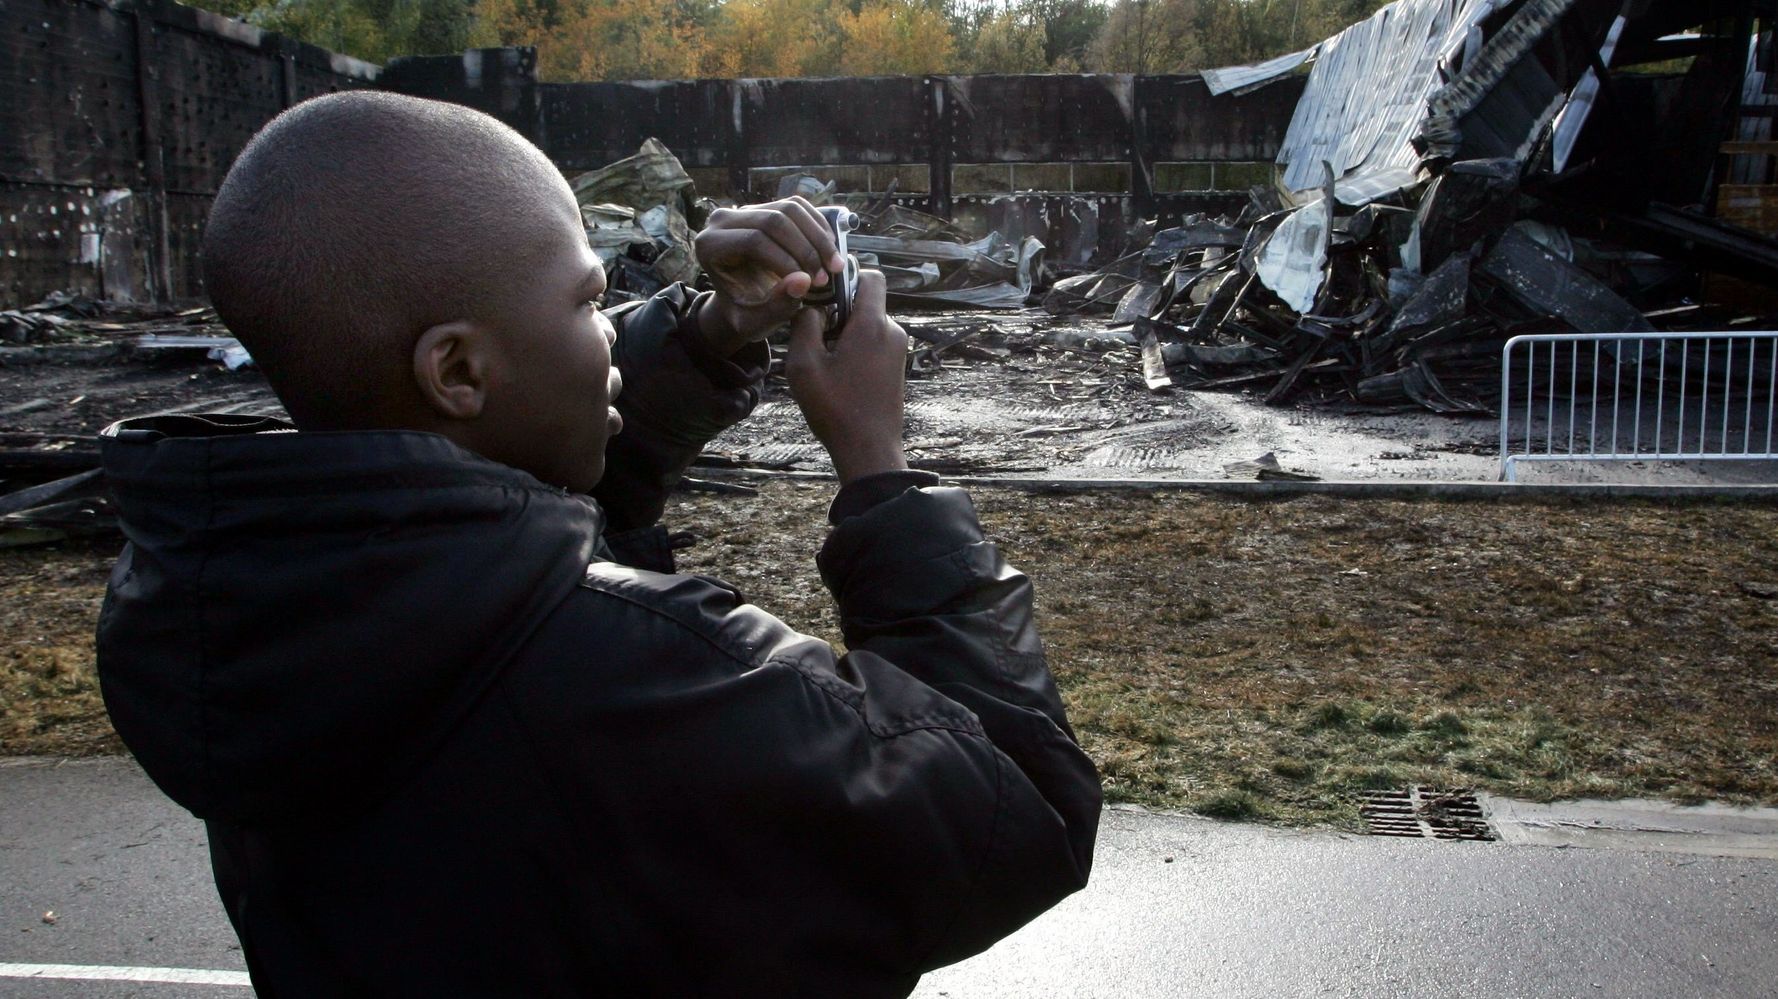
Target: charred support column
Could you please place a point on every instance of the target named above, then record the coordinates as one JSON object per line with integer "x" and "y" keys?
{"x": 160, "y": 268}
{"x": 287, "y": 76}
{"x": 1740, "y": 34}
{"x": 939, "y": 120}
{"x": 1141, "y": 174}
{"x": 738, "y": 160}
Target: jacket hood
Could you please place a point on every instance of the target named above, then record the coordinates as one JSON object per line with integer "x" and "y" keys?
{"x": 300, "y": 618}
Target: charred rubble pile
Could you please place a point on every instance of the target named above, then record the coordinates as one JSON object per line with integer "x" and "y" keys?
{"x": 50, "y": 485}
{"x": 1458, "y": 172}
{"x": 642, "y": 211}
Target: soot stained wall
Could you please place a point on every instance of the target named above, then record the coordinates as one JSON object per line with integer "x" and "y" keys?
{"x": 119, "y": 119}
{"x": 117, "y": 123}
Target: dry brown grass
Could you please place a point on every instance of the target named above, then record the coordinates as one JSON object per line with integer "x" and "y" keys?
{"x": 49, "y": 696}
{"x": 1259, "y": 659}
{"x": 1270, "y": 659}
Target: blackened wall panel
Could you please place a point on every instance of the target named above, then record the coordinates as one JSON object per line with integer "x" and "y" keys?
{"x": 1039, "y": 119}
{"x": 877, "y": 119}
{"x": 185, "y": 232}
{"x": 1183, "y": 121}
{"x": 212, "y": 97}
{"x": 92, "y": 188}
{"x": 587, "y": 125}
{"x": 68, "y": 108}
{"x": 89, "y": 239}
{"x": 313, "y": 81}
{"x": 499, "y": 82}
{"x": 90, "y": 185}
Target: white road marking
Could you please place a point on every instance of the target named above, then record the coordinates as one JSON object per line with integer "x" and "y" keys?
{"x": 109, "y": 973}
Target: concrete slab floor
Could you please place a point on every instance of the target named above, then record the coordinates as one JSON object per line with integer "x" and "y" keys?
{"x": 1177, "y": 906}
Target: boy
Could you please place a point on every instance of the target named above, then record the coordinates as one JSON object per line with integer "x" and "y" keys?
{"x": 453, "y": 724}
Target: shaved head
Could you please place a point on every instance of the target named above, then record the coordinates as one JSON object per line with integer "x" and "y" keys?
{"x": 353, "y": 222}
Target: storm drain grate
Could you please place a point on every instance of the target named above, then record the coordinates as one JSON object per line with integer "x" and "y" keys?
{"x": 1425, "y": 812}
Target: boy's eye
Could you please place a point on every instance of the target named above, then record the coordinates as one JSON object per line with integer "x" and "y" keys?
{"x": 595, "y": 303}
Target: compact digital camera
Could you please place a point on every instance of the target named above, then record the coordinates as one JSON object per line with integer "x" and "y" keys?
{"x": 835, "y": 297}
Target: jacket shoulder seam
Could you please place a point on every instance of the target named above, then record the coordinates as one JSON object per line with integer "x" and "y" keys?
{"x": 704, "y": 633}
{"x": 903, "y": 726}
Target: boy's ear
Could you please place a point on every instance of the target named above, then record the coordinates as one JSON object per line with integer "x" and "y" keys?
{"x": 452, "y": 362}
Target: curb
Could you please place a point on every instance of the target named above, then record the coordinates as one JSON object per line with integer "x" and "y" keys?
{"x": 1356, "y": 489}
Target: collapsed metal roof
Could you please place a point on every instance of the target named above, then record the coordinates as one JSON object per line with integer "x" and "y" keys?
{"x": 1420, "y": 80}
{"x": 1460, "y": 171}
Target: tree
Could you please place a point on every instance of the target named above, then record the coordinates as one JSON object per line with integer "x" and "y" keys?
{"x": 627, "y": 40}
{"x": 369, "y": 29}
{"x": 598, "y": 39}
{"x": 894, "y": 37}
{"x": 1149, "y": 36}
{"x": 670, "y": 39}
{"x": 773, "y": 38}
{"x": 1069, "y": 27}
{"x": 1008, "y": 41}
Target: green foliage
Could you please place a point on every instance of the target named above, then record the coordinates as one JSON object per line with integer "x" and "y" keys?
{"x": 1177, "y": 36}
{"x": 376, "y": 30}
{"x": 1008, "y": 42}
{"x": 1228, "y": 804}
{"x": 1388, "y": 722}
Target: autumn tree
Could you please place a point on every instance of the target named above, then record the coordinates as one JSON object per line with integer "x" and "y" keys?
{"x": 773, "y": 38}
{"x": 600, "y": 39}
{"x": 668, "y": 39}
{"x": 626, "y": 40}
{"x": 1169, "y": 36}
{"x": 1149, "y": 36}
{"x": 1007, "y": 41}
{"x": 893, "y": 37}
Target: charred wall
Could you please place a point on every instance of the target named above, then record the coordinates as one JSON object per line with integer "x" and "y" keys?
{"x": 1073, "y": 159}
{"x": 117, "y": 123}
{"x": 119, "y": 119}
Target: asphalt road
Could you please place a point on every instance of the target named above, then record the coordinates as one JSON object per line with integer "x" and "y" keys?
{"x": 1177, "y": 907}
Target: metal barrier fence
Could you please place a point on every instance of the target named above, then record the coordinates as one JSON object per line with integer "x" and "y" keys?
{"x": 1639, "y": 396}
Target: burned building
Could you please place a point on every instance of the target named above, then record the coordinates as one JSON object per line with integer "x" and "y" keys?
{"x": 1364, "y": 222}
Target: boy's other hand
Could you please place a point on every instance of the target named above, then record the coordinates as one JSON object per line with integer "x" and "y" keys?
{"x": 851, "y": 390}
{"x": 762, "y": 260}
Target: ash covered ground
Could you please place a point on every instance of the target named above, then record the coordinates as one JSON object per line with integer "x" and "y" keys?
{"x": 1017, "y": 393}
{"x": 990, "y": 393}
{"x": 1028, "y": 394}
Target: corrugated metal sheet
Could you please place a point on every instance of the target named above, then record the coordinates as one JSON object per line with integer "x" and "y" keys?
{"x": 1243, "y": 78}
{"x": 1367, "y": 96}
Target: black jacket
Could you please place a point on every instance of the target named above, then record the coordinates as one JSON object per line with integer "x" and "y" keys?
{"x": 452, "y": 738}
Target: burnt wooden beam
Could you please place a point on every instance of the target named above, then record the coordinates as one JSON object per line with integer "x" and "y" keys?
{"x": 160, "y": 261}
{"x": 941, "y": 115}
{"x": 1141, "y": 171}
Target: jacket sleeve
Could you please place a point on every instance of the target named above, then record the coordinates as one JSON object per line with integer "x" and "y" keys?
{"x": 677, "y": 395}
{"x": 919, "y": 585}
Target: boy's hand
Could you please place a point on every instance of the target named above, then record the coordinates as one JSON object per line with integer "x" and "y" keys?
{"x": 851, "y": 393}
{"x": 762, "y": 260}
